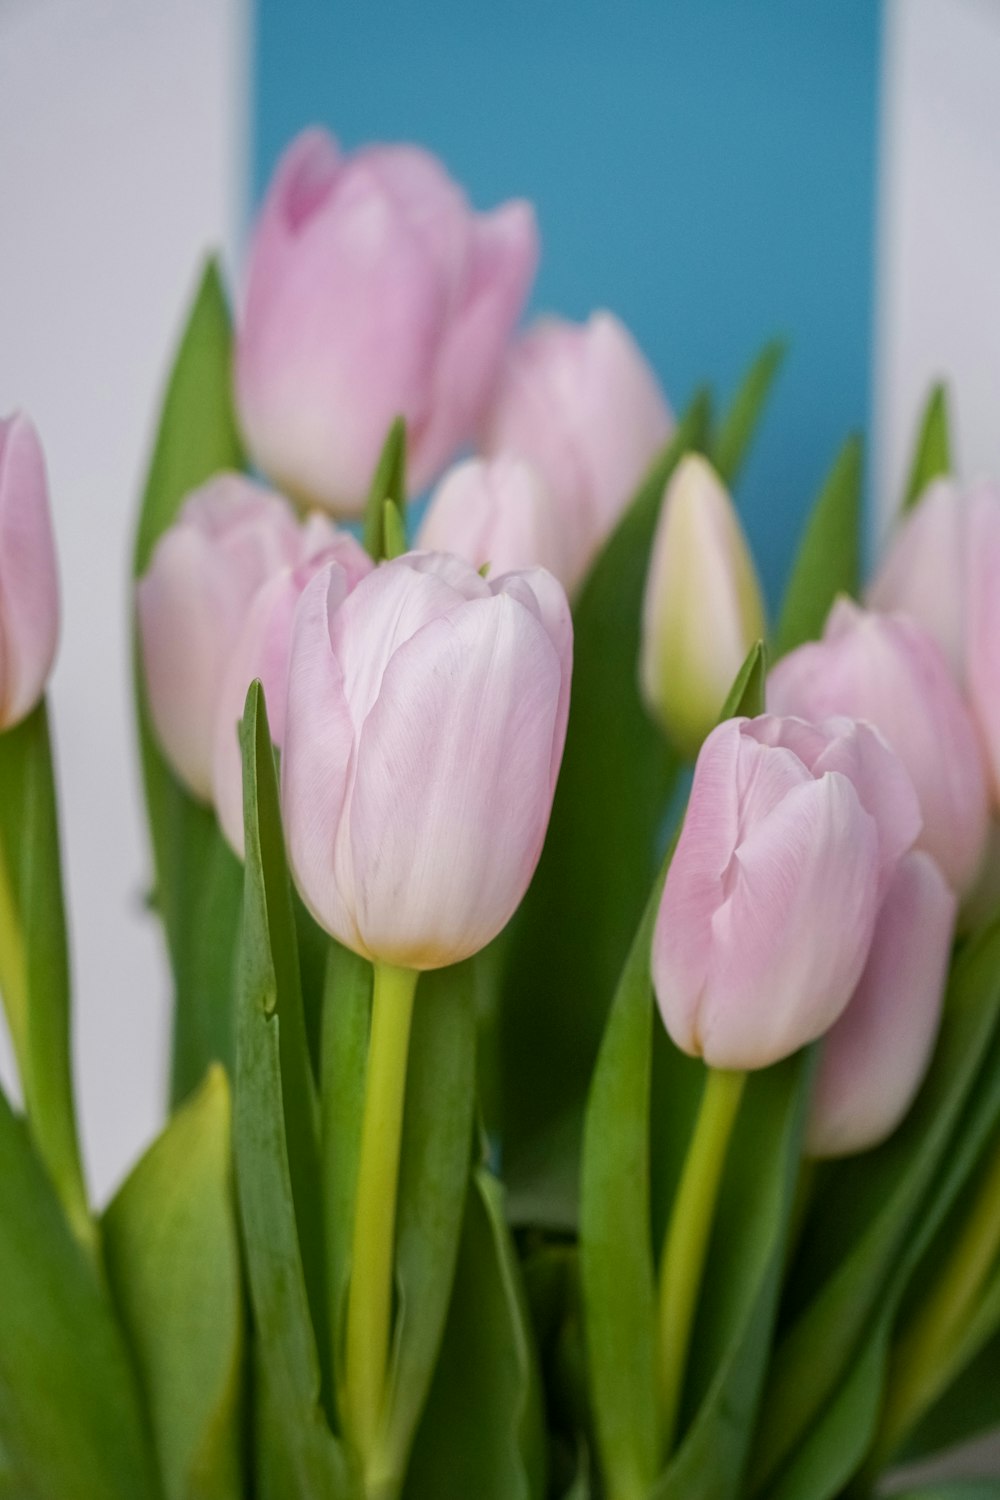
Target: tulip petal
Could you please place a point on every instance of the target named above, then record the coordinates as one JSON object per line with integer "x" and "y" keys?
{"x": 875, "y": 1056}
{"x": 923, "y": 574}
{"x": 29, "y": 583}
{"x": 452, "y": 791}
{"x": 543, "y": 595}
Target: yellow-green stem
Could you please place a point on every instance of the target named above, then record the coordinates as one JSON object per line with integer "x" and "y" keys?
{"x": 686, "y": 1243}
{"x": 921, "y": 1364}
{"x": 369, "y": 1298}
{"x": 13, "y": 970}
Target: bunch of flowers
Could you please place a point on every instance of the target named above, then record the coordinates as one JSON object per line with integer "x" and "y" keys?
{"x": 548, "y": 1119}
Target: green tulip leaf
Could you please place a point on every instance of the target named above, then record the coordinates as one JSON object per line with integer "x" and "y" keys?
{"x": 739, "y": 425}
{"x": 969, "y": 1408}
{"x": 482, "y": 1430}
{"x": 34, "y": 964}
{"x": 953, "y": 1489}
{"x": 198, "y": 889}
{"x": 873, "y": 1218}
{"x": 277, "y": 1152}
{"x": 174, "y": 1266}
{"x": 388, "y": 483}
{"x": 829, "y": 556}
{"x": 71, "y": 1421}
{"x": 571, "y": 936}
{"x": 932, "y": 455}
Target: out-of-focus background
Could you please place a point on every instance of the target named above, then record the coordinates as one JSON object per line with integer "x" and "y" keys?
{"x": 713, "y": 171}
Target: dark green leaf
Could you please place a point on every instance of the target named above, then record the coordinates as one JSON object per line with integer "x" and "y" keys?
{"x": 388, "y": 483}
{"x": 174, "y": 1266}
{"x": 571, "y": 937}
{"x": 829, "y": 556}
{"x": 277, "y": 1165}
{"x": 932, "y": 455}
{"x": 739, "y": 425}
{"x": 394, "y": 530}
{"x": 198, "y": 879}
{"x": 38, "y": 997}
{"x": 969, "y": 1407}
{"x": 953, "y": 1489}
{"x": 481, "y": 1434}
{"x": 70, "y": 1417}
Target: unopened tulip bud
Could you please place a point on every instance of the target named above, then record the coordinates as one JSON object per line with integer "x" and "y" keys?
{"x": 875, "y": 1056}
{"x": 792, "y": 832}
{"x": 424, "y": 732}
{"x": 373, "y": 292}
{"x": 580, "y": 402}
{"x": 192, "y": 603}
{"x": 496, "y": 513}
{"x": 887, "y": 670}
{"x": 29, "y": 582}
{"x": 262, "y": 650}
{"x": 703, "y": 608}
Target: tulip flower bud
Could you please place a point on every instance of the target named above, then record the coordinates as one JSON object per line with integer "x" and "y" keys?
{"x": 192, "y": 602}
{"x": 497, "y": 513}
{"x": 886, "y": 670}
{"x": 29, "y": 582}
{"x": 875, "y": 1056}
{"x": 373, "y": 292}
{"x": 582, "y": 405}
{"x": 262, "y": 650}
{"x": 703, "y": 608}
{"x": 425, "y": 727}
{"x": 792, "y": 833}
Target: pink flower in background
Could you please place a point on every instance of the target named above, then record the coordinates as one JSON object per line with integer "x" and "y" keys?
{"x": 373, "y": 291}
{"x": 425, "y": 728}
{"x": 885, "y": 669}
{"x": 580, "y": 402}
{"x": 29, "y": 580}
{"x": 792, "y": 835}
{"x": 875, "y": 1056}
{"x": 498, "y": 513}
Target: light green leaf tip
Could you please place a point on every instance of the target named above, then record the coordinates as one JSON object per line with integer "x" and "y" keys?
{"x": 932, "y": 456}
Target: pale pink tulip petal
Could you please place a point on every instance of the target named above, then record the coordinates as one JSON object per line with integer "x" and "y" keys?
{"x": 29, "y": 581}
{"x": 497, "y": 514}
{"x": 923, "y": 573}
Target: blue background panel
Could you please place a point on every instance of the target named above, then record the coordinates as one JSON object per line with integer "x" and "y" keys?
{"x": 705, "y": 168}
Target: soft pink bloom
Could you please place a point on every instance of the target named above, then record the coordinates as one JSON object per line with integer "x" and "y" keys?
{"x": 580, "y": 402}
{"x": 425, "y": 728}
{"x": 792, "y": 834}
{"x": 875, "y": 1057}
{"x": 263, "y": 649}
{"x": 374, "y": 291}
{"x": 193, "y": 601}
{"x": 497, "y": 513}
{"x": 29, "y": 580}
{"x": 887, "y": 670}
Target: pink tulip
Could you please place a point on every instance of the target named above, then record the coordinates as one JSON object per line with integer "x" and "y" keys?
{"x": 373, "y": 292}
{"x": 497, "y": 513}
{"x": 425, "y": 727}
{"x": 886, "y": 670}
{"x": 29, "y": 581}
{"x": 193, "y": 601}
{"x": 581, "y": 403}
{"x": 263, "y": 649}
{"x": 792, "y": 833}
{"x": 875, "y": 1057}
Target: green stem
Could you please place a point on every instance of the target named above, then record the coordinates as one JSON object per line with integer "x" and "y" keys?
{"x": 922, "y": 1362}
{"x": 13, "y": 971}
{"x": 369, "y": 1297}
{"x": 686, "y": 1242}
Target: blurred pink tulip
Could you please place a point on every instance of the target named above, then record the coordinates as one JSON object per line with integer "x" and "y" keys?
{"x": 29, "y": 580}
{"x": 229, "y": 538}
{"x": 496, "y": 512}
{"x": 885, "y": 669}
{"x": 581, "y": 403}
{"x": 262, "y": 650}
{"x": 373, "y": 291}
{"x": 425, "y": 728}
{"x": 792, "y": 833}
{"x": 875, "y": 1057}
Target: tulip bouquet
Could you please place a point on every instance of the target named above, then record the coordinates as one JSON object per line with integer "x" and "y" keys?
{"x": 586, "y": 1063}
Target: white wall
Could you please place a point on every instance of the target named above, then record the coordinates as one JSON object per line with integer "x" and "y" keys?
{"x": 939, "y": 231}
{"x": 121, "y": 139}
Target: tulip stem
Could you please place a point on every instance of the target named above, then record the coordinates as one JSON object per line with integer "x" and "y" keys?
{"x": 13, "y": 971}
{"x": 924, "y": 1359}
{"x": 684, "y": 1248}
{"x": 370, "y": 1293}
